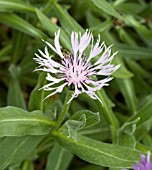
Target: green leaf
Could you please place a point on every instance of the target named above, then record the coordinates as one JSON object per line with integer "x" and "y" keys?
{"x": 16, "y": 149}
{"x": 138, "y": 69}
{"x": 37, "y": 96}
{"x": 15, "y": 94}
{"x": 20, "y": 24}
{"x": 51, "y": 28}
{"x": 15, "y": 5}
{"x": 106, "y": 7}
{"x": 125, "y": 134}
{"x": 91, "y": 118}
{"x": 67, "y": 22}
{"x": 122, "y": 72}
{"x": 126, "y": 37}
{"x": 106, "y": 109}
{"x": 17, "y": 122}
{"x": 4, "y": 52}
{"x": 142, "y": 30}
{"x": 127, "y": 89}
{"x": 136, "y": 53}
{"x": 99, "y": 153}
{"x": 74, "y": 126}
{"x": 129, "y": 127}
{"x": 27, "y": 165}
{"x": 127, "y": 140}
{"x": 144, "y": 114}
{"x": 81, "y": 119}
{"x": 18, "y": 45}
{"x": 58, "y": 158}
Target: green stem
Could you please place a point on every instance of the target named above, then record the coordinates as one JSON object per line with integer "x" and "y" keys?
{"x": 106, "y": 109}
{"x": 64, "y": 109}
{"x": 108, "y": 114}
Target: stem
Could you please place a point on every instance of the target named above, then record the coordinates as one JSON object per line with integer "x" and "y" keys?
{"x": 106, "y": 109}
{"x": 108, "y": 114}
{"x": 64, "y": 109}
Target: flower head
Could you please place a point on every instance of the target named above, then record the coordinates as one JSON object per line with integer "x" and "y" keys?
{"x": 144, "y": 163}
{"x": 76, "y": 69}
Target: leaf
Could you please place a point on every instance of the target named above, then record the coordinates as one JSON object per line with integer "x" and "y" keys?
{"x": 107, "y": 109}
{"x": 142, "y": 30}
{"x": 144, "y": 114}
{"x": 81, "y": 119}
{"x": 90, "y": 117}
{"x": 137, "y": 69}
{"x": 58, "y": 158}
{"x": 99, "y": 153}
{"x": 126, "y": 37}
{"x": 136, "y": 53}
{"x": 15, "y": 149}
{"x": 129, "y": 127}
{"x": 122, "y": 72}
{"x": 4, "y": 52}
{"x": 125, "y": 134}
{"x": 20, "y": 24}
{"x": 106, "y": 7}
{"x": 127, "y": 140}
{"x": 27, "y": 165}
{"x": 67, "y": 22}
{"x": 15, "y": 94}
{"x": 37, "y": 96}
{"x": 127, "y": 89}
{"x": 51, "y": 28}
{"x": 16, "y": 5}
{"x": 74, "y": 126}
{"x": 18, "y": 45}
{"x": 17, "y": 122}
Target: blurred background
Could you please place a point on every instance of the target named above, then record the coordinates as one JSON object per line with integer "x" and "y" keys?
{"x": 127, "y": 24}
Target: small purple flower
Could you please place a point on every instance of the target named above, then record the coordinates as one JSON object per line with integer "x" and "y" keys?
{"x": 76, "y": 69}
{"x": 144, "y": 163}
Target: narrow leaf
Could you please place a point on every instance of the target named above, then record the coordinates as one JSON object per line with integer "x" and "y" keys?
{"x": 17, "y": 122}
{"x": 15, "y": 5}
{"x": 58, "y": 158}
{"x": 106, "y": 7}
{"x": 99, "y": 153}
{"x": 51, "y": 28}
{"x": 15, "y": 94}
{"x": 144, "y": 114}
{"x": 127, "y": 89}
{"x": 20, "y": 24}
{"x": 16, "y": 149}
{"x": 67, "y": 22}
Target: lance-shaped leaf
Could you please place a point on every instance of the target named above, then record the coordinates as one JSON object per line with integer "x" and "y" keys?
{"x": 16, "y": 22}
{"x": 99, "y": 153}
{"x": 59, "y": 158}
{"x": 106, "y": 7}
{"x": 17, "y": 122}
{"x": 16, "y": 149}
{"x": 51, "y": 28}
{"x": 15, "y": 5}
{"x": 144, "y": 114}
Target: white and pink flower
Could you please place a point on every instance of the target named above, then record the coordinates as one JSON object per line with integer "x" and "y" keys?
{"x": 76, "y": 69}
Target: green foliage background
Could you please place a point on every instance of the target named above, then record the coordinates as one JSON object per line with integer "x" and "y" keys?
{"x": 29, "y": 137}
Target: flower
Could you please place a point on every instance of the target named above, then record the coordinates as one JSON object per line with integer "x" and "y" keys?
{"x": 144, "y": 163}
{"x": 76, "y": 69}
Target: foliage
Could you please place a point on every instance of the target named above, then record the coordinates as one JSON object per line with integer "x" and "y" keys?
{"x": 50, "y": 134}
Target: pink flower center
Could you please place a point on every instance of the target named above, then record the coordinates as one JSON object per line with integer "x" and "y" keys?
{"x": 75, "y": 71}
